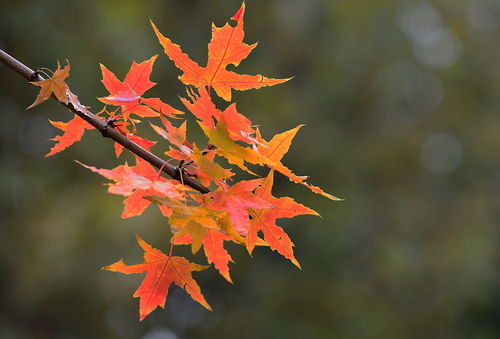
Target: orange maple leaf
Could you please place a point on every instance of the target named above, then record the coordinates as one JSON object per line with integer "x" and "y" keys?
{"x": 161, "y": 271}
{"x": 225, "y": 48}
{"x": 207, "y": 168}
{"x": 200, "y": 226}
{"x": 265, "y": 220}
{"x": 55, "y": 85}
{"x": 234, "y": 153}
{"x": 213, "y": 245}
{"x": 273, "y": 151}
{"x": 175, "y": 135}
{"x": 73, "y": 132}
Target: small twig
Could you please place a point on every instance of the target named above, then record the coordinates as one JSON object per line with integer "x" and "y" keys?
{"x": 104, "y": 130}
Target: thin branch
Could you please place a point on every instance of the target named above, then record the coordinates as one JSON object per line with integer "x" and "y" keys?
{"x": 107, "y": 130}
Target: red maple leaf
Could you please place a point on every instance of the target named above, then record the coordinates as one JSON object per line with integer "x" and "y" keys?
{"x": 237, "y": 200}
{"x": 202, "y": 107}
{"x": 175, "y": 135}
{"x": 128, "y": 93}
{"x": 225, "y": 48}
{"x": 161, "y": 271}
{"x": 237, "y": 125}
{"x": 136, "y": 182}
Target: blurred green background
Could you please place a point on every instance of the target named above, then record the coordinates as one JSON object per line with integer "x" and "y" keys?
{"x": 401, "y": 106}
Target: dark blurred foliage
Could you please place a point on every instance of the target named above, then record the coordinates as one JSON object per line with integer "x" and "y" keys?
{"x": 401, "y": 105}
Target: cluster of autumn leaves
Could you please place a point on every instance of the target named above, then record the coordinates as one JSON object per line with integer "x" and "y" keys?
{"x": 244, "y": 212}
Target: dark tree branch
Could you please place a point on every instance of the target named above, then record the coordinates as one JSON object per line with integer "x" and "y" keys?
{"x": 107, "y": 130}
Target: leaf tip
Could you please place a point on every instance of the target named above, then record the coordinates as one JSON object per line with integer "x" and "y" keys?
{"x": 33, "y": 104}
{"x": 157, "y": 31}
{"x": 144, "y": 314}
{"x": 241, "y": 12}
{"x": 296, "y": 263}
{"x": 112, "y": 267}
{"x": 332, "y": 197}
{"x": 153, "y": 58}
{"x": 286, "y": 79}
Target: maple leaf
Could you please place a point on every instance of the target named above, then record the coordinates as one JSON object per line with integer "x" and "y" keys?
{"x": 225, "y": 48}
{"x": 183, "y": 214}
{"x": 55, "y": 85}
{"x": 175, "y": 154}
{"x": 137, "y": 182}
{"x": 136, "y": 81}
{"x": 196, "y": 231}
{"x": 213, "y": 245}
{"x": 73, "y": 132}
{"x": 236, "y": 201}
{"x": 271, "y": 153}
{"x": 161, "y": 271}
{"x": 207, "y": 168}
{"x": 228, "y": 148}
{"x": 175, "y": 135}
{"x": 160, "y": 106}
{"x": 238, "y": 126}
{"x": 202, "y": 107}
{"x": 201, "y": 226}
{"x": 128, "y": 93}
{"x": 265, "y": 220}
{"x": 195, "y": 225}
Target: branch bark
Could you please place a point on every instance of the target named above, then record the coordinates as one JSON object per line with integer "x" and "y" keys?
{"x": 107, "y": 130}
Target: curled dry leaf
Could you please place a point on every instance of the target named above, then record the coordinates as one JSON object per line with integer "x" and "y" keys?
{"x": 55, "y": 85}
